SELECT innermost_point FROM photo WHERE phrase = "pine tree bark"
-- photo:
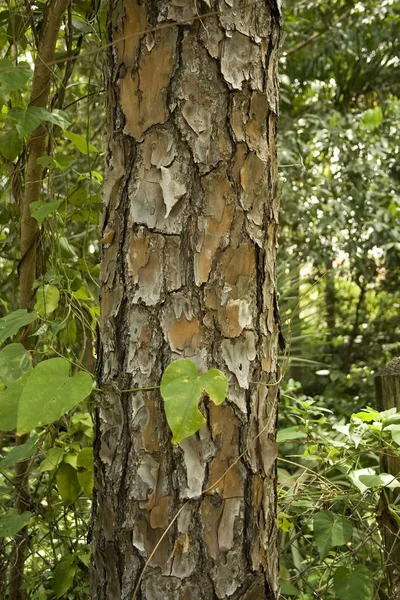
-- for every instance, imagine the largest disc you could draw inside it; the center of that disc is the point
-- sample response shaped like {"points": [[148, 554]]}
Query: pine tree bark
{"points": [[190, 238]]}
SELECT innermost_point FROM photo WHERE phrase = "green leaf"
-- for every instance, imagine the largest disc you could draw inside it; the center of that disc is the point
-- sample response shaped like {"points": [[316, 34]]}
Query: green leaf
{"points": [[58, 117], [9, 399], [85, 464], [331, 530], [14, 362], [366, 416], [372, 118], [42, 396], [67, 484], [353, 585], [49, 393], [381, 480], [26, 120], [288, 589], [53, 458], [19, 453], [80, 142], [64, 574], [395, 431], [11, 323], [13, 77], [290, 433], [47, 298], [181, 388], [12, 522], [10, 145], [40, 210]]}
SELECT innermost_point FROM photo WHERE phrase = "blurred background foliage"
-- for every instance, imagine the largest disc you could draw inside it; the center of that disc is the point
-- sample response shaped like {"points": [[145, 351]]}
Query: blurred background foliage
{"points": [[339, 266]]}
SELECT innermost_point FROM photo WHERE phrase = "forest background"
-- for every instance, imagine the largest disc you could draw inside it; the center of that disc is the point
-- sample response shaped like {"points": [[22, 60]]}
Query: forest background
{"points": [[339, 266]]}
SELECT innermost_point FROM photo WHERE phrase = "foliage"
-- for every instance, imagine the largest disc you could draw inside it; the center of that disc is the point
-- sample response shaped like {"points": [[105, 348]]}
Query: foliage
{"points": [[330, 486]]}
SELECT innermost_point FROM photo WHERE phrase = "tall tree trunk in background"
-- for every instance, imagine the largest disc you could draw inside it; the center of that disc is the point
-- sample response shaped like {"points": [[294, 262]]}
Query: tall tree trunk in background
{"points": [[35, 148], [330, 300], [190, 237]]}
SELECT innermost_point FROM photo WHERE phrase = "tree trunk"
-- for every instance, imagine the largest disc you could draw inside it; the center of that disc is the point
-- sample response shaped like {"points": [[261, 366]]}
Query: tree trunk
{"points": [[36, 147], [387, 390], [190, 238]]}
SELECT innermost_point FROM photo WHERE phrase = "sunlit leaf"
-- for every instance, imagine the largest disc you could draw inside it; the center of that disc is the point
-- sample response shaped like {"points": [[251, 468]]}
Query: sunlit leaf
{"points": [[181, 389], [14, 362], [47, 299]]}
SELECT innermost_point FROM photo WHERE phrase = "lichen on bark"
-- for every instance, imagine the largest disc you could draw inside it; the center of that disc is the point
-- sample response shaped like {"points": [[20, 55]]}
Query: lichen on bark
{"points": [[191, 199]]}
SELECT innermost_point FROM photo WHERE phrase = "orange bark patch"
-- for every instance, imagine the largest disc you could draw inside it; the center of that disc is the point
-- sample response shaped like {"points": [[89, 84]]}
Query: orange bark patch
{"points": [[144, 94], [228, 319], [134, 22], [240, 262], [159, 516], [224, 429], [184, 334], [138, 256], [206, 255]]}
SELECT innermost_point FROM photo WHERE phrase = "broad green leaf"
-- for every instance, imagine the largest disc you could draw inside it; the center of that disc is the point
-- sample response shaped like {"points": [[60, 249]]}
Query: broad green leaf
{"points": [[26, 120], [290, 433], [67, 484], [47, 298], [9, 400], [71, 459], [40, 210], [61, 162], [11, 522], [380, 480], [80, 142], [14, 362], [366, 416], [49, 393], [85, 470], [395, 431], [64, 574], [12, 323], [10, 145], [181, 388], [331, 530], [58, 117], [13, 77], [355, 477], [82, 422], [19, 453], [288, 589], [353, 585], [53, 458]]}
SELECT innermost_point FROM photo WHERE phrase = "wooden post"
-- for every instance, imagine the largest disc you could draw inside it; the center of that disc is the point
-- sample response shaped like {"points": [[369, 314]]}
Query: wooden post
{"points": [[387, 390]]}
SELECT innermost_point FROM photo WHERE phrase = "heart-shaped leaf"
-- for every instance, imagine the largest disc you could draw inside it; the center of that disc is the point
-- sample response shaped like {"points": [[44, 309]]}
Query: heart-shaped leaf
{"points": [[181, 388], [42, 396], [331, 530]]}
